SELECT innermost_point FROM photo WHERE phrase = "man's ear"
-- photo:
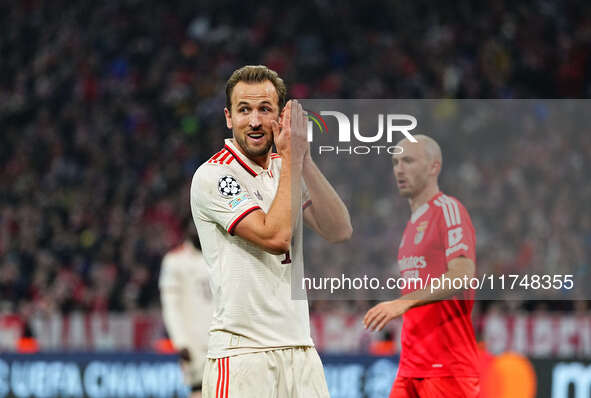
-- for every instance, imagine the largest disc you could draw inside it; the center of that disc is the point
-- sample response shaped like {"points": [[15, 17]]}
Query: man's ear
{"points": [[228, 118], [436, 168]]}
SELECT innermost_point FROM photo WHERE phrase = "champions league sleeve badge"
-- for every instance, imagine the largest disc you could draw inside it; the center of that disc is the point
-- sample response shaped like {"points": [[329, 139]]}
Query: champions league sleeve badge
{"points": [[228, 186]]}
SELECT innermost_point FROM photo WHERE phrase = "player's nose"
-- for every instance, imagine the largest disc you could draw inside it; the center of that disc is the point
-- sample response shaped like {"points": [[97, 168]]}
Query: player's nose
{"points": [[255, 119]]}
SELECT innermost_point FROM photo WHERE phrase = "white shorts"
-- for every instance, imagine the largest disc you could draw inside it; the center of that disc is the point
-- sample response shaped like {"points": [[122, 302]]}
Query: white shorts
{"points": [[284, 373]]}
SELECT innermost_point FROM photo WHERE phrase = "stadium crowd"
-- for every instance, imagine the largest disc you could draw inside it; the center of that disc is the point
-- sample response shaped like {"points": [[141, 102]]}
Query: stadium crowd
{"points": [[107, 108]]}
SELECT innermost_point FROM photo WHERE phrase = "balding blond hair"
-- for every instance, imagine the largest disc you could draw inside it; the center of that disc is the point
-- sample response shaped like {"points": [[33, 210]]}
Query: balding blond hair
{"points": [[431, 147]]}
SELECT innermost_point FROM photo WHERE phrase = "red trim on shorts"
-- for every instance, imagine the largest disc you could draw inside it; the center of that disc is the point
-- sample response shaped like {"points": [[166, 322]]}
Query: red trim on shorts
{"points": [[251, 171], [223, 377], [227, 376], [217, 389], [240, 217]]}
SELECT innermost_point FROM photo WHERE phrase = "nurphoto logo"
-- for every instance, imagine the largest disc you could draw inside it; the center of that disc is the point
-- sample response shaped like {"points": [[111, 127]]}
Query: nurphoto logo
{"points": [[346, 141]]}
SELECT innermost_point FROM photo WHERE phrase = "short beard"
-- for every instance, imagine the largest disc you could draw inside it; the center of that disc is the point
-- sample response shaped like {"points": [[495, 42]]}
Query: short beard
{"points": [[405, 194], [254, 153]]}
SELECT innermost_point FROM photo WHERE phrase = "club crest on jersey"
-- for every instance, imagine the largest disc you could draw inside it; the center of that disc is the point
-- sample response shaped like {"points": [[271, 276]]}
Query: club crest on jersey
{"points": [[420, 232], [228, 186]]}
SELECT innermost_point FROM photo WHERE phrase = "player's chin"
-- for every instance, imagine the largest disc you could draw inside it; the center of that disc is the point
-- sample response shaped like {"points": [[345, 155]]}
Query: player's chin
{"points": [[405, 192], [259, 149]]}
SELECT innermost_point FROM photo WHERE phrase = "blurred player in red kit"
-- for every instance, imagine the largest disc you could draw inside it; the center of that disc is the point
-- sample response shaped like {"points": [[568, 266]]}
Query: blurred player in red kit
{"points": [[439, 355]]}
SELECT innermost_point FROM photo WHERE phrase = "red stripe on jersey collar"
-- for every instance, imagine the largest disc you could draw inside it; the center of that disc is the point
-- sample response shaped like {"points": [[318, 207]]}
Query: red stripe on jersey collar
{"points": [[242, 163]]}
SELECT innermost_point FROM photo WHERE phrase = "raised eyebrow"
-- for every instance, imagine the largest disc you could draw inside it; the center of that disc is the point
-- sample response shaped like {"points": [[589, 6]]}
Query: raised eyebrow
{"points": [[244, 103]]}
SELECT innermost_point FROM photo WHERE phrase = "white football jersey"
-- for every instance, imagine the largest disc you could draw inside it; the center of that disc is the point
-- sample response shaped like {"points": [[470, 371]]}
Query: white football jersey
{"points": [[186, 298], [254, 310]]}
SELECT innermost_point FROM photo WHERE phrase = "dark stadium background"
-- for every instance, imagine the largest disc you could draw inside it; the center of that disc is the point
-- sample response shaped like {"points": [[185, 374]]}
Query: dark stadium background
{"points": [[107, 108]]}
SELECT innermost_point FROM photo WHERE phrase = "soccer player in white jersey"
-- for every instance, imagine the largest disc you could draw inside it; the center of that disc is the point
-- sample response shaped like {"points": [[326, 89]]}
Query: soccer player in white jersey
{"points": [[248, 204], [187, 306]]}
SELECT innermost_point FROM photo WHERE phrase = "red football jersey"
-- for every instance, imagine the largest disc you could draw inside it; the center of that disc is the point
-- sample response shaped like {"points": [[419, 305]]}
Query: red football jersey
{"points": [[438, 339]]}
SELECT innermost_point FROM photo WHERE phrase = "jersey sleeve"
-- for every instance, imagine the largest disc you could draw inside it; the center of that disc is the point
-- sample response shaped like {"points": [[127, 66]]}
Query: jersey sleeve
{"points": [[218, 196], [456, 229]]}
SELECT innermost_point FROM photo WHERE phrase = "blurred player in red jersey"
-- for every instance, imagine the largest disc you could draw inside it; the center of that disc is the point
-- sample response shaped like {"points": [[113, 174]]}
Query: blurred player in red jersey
{"points": [[439, 355]]}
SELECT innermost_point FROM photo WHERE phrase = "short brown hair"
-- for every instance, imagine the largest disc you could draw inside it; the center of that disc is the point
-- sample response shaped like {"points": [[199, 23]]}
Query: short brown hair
{"points": [[255, 74]]}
